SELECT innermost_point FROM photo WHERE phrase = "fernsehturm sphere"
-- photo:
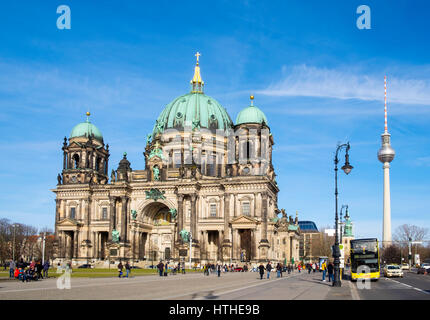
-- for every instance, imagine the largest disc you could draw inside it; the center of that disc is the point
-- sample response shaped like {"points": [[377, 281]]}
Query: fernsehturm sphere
{"points": [[386, 155]]}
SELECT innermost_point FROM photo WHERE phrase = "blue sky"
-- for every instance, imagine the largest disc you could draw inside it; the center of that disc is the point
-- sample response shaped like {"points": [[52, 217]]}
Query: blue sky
{"points": [[317, 77]]}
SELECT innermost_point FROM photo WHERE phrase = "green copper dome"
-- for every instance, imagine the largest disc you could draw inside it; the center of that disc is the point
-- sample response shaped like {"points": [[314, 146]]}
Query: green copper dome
{"points": [[86, 129], [251, 115], [195, 110]]}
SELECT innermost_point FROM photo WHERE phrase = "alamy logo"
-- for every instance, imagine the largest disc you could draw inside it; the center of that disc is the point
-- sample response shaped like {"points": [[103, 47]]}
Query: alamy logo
{"points": [[363, 21], [363, 283], [64, 21], [63, 281]]}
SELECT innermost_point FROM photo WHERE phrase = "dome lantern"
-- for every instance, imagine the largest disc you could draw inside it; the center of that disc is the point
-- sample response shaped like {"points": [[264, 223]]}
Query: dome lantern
{"points": [[251, 114]]}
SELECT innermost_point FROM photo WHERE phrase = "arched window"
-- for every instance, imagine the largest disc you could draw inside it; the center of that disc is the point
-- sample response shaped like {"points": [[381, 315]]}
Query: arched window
{"points": [[75, 161], [98, 163]]}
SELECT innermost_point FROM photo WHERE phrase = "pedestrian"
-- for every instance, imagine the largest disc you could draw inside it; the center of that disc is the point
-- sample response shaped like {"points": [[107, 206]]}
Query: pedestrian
{"points": [[324, 270], [39, 268], [278, 270], [309, 268], [127, 269], [261, 267], [45, 269], [166, 268], [314, 267], [299, 268], [183, 267], [120, 269], [268, 268], [289, 268], [218, 269], [330, 272], [160, 267], [12, 267]]}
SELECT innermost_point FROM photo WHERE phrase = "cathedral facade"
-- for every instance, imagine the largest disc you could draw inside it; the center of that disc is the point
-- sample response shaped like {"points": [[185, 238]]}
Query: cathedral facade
{"points": [[208, 184]]}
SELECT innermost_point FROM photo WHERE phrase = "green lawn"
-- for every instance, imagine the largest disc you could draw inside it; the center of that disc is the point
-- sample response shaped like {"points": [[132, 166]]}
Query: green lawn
{"points": [[98, 273]]}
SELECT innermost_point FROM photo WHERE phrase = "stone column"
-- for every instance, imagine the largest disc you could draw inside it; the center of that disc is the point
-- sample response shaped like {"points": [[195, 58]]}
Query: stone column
{"points": [[194, 218], [57, 215], [124, 219], [94, 244], [76, 243], [226, 218], [88, 214], [180, 214], [264, 217], [112, 214], [134, 245], [206, 240], [264, 243]]}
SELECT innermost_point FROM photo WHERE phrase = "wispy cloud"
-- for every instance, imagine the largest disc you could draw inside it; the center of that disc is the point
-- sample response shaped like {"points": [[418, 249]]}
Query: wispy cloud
{"points": [[310, 81]]}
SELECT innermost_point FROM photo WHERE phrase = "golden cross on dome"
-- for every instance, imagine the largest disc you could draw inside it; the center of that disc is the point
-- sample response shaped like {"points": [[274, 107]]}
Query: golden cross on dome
{"points": [[197, 55], [157, 145]]}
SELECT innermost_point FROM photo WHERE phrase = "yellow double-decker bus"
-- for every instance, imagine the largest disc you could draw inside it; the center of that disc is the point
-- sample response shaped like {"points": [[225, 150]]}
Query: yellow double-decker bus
{"points": [[365, 259]]}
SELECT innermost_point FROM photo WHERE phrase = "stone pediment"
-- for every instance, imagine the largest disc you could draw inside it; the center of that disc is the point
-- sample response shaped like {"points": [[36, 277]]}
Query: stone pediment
{"points": [[241, 220], [68, 223]]}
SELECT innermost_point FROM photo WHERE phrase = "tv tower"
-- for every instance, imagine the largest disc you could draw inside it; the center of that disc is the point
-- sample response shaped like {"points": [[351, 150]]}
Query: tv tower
{"points": [[386, 155]]}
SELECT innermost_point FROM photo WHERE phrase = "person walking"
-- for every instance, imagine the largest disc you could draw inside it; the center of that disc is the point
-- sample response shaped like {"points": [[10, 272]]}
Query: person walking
{"points": [[127, 269], [314, 267], [120, 267], [268, 268], [330, 270], [183, 267], [160, 267], [12, 267], [45, 269], [278, 270], [324, 270], [218, 269], [289, 268], [261, 268], [39, 268], [309, 268]]}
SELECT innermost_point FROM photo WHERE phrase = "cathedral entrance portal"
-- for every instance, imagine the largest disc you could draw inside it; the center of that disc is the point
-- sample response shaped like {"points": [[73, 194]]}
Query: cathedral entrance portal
{"points": [[245, 245], [161, 237]]}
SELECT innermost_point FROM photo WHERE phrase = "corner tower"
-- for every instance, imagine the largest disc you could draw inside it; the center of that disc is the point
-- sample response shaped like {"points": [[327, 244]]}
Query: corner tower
{"points": [[386, 155], [85, 158]]}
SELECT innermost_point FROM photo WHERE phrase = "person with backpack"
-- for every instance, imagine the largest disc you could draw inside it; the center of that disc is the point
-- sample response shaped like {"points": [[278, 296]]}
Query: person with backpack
{"points": [[120, 266]]}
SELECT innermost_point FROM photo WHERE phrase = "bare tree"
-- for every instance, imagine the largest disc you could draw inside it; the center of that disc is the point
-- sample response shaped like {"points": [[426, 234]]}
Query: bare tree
{"points": [[321, 246], [391, 254], [406, 231]]}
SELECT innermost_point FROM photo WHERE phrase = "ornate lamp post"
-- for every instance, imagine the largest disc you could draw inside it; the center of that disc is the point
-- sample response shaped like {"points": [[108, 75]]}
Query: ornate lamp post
{"points": [[341, 222], [336, 252]]}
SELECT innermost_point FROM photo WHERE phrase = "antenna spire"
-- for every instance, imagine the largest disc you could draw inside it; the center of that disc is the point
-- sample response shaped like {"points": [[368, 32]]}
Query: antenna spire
{"points": [[385, 103]]}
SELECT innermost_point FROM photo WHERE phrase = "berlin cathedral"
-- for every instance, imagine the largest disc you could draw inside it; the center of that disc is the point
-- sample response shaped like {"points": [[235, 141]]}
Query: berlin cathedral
{"points": [[208, 185]]}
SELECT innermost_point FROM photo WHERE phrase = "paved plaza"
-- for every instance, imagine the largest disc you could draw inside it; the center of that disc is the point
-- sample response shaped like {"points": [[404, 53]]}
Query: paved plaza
{"points": [[230, 286]]}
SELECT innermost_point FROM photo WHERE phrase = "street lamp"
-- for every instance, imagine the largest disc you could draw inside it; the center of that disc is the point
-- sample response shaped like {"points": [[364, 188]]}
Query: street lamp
{"points": [[336, 252], [341, 222]]}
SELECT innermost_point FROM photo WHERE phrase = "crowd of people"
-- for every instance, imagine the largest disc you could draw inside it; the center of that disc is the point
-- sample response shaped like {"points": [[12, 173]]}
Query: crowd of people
{"points": [[25, 272]]}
